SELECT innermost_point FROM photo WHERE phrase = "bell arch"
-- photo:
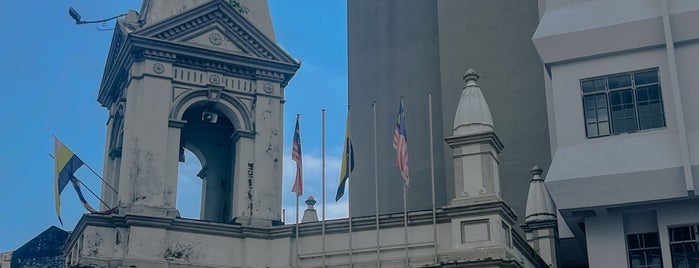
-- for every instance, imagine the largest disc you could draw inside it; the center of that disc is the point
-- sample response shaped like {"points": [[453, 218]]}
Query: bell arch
{"points": [[219, 142], [229, 105]]}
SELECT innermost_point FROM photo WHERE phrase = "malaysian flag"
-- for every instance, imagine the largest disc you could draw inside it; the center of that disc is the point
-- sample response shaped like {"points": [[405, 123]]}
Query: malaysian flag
{"points": [[400, 143], [296, 156]]}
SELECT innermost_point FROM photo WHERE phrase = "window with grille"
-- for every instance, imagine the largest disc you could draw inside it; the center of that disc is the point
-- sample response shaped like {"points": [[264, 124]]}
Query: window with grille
{"points": [[622, 103], [644, 250], [684, 244]]}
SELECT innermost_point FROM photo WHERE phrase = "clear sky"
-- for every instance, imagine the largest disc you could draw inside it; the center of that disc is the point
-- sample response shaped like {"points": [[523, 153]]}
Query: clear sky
{"points": [[51, 71]]}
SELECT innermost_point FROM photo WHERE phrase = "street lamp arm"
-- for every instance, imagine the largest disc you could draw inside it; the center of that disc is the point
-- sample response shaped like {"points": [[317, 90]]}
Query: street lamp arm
{"points": [[76, 16]]}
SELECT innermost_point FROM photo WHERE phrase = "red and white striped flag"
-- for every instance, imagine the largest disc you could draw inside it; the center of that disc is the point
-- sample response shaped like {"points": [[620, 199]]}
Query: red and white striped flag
{"points": [[296, 156], [400, 143]]}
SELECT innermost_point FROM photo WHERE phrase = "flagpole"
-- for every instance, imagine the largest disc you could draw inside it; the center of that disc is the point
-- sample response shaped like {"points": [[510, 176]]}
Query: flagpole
{"points": [[434, 209], [93, 171], [296, 260], [349, 194], [405, 212], [323, 181], [376, 191], [88, 188]]}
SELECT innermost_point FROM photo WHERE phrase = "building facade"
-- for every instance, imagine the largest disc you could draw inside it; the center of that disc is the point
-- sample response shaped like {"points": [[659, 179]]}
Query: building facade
{"points": [[622, 103], [409, 48], [199, 75]]}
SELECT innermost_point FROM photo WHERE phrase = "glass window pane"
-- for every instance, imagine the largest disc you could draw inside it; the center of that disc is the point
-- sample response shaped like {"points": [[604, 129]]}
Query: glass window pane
{"points": [[603, 128], [657, 121], [678, 257], [602, 115], [692, 255], [680, 233], [613, 82], [654, 92], [615, 98], [642, 94], [599, 84], [652, 76], [639, 78], [590, 116], [592, 130], [625, 80], [633, 241], [638, 259], [588, 101], [651, 240], [601, 100], [588, 86], [653, 257]]}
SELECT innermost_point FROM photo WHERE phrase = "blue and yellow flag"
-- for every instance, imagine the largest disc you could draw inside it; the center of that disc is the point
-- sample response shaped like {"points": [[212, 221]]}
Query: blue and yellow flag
{"points": [[66, 164], [347, 161]]}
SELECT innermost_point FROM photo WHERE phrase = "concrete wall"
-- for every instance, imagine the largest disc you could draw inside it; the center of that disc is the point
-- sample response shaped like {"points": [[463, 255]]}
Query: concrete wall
{"points": [[494, 38], [630, 167], [412, 48], [109, 241], [606, 233], [640, 170], [606, 241], [393, 49]]}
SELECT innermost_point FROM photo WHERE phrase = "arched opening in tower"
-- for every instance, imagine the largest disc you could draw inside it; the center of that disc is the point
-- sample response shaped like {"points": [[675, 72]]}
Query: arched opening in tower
{"points": [[207, 135], [189, 189]]}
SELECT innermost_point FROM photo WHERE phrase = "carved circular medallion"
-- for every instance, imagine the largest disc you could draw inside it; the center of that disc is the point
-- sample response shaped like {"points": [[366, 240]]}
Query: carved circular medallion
{"points": [[215, 39], [268, 88], [158, 68], [214, 79]]}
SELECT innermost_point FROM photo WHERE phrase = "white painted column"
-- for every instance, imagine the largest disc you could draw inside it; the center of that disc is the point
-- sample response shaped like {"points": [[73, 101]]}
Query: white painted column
{"points": [[145, 147]]}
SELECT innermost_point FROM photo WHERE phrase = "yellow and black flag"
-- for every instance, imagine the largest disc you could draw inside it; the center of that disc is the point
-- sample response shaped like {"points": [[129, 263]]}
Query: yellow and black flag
{"points": [[347, 161], [66, 165]]}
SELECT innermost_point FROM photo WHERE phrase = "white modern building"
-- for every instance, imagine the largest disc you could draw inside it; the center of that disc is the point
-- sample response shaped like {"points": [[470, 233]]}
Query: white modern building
{"points": [[623, 100]]}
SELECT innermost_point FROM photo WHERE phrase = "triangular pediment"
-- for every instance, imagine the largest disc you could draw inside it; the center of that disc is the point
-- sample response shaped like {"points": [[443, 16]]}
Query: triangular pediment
{"points": [[216, 25], [214, 38]]}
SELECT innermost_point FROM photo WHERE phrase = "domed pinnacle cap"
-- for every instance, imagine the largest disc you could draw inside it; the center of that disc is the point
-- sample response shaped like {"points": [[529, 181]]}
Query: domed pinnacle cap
{"points": [[472, 114], [536, 172], [471, 75], [310, 201], [540, 206]]}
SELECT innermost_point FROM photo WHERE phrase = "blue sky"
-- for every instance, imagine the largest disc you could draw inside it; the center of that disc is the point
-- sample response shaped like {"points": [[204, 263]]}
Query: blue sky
{"points": [[51, 70]]}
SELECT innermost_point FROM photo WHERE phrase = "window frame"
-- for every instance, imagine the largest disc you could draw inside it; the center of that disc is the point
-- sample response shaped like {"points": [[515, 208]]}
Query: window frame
{"points": [[643, 249], [606, 92], [694, 232]]}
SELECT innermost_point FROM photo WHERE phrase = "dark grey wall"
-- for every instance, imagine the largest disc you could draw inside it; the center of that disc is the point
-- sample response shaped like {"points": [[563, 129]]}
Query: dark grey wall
{"points": [[393, 51], [494, 38], [409, 48]]}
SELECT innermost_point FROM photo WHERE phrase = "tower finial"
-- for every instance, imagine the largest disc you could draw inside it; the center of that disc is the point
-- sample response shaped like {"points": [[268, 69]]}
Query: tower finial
{"points": [[471, 75], [536, 171]]}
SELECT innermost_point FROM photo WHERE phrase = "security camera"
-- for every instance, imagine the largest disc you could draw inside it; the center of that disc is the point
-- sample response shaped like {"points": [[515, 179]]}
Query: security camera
{"points": [[209, 117]]}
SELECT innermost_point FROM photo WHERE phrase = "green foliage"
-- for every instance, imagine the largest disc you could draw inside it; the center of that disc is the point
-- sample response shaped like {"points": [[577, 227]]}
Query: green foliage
{"points": [[240, 8]]}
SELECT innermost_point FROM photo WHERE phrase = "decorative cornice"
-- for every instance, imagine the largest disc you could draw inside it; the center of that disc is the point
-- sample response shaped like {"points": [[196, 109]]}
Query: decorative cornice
{"points": [[484, 137], [137, 49]]}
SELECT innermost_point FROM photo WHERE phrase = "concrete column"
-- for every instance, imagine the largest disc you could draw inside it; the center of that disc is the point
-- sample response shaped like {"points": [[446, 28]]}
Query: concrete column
{"points": [[145, 147], [267, 181], [173, 155], [243, 176]]}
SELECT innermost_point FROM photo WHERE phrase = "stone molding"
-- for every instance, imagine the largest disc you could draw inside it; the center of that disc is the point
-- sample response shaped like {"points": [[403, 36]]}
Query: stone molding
{"points": [[269, 62], [485, 137]]}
